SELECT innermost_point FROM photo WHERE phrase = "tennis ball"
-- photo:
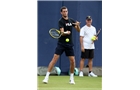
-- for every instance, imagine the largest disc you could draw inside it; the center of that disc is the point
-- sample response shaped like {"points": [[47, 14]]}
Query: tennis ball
{"points": [[67, 40], [93, 38]]}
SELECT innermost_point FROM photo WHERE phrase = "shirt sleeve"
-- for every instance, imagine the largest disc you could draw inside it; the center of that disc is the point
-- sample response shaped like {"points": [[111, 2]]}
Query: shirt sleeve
{"points": [[60, 24], [72, 22], [82, 32]]}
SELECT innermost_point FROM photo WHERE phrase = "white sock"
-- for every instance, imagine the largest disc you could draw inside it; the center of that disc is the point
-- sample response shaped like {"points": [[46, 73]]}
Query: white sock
{"points": [[47, 75], [71, 76]]}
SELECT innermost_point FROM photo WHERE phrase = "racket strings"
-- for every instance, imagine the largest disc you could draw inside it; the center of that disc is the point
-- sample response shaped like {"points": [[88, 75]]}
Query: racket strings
{"points": [[54, 33]]}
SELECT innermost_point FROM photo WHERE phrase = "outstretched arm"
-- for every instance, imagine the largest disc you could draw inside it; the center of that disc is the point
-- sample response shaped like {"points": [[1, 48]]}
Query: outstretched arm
{"points": [[77, 26]]}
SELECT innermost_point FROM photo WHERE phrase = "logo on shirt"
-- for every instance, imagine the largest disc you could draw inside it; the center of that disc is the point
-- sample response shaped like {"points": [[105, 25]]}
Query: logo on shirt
{"points": [[68, 24]]}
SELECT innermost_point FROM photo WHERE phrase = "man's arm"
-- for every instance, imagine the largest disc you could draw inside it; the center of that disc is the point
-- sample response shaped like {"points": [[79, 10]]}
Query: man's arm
{"points": [[77, 26], [81, 40], [64, 33], [81, 43]]}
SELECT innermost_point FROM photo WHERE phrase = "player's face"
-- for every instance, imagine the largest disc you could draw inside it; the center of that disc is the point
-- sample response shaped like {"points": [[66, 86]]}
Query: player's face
{"points": [[89, 22], [64, 12]]}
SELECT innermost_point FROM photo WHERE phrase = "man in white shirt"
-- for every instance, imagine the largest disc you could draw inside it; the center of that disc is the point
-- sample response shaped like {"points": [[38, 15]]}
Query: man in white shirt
{"points": [[87, 45]]}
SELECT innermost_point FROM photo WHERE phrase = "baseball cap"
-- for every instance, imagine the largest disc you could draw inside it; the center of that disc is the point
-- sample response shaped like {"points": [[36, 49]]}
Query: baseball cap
{"points": [[88, 18]]}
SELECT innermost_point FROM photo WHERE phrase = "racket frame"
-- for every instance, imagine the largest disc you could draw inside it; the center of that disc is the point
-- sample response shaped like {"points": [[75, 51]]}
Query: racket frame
{"points": [[60, 33]]}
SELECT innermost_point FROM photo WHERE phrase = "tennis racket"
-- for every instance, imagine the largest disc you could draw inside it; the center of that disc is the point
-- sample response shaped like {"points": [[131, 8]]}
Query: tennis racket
{"points": [[98, 33], [96, 36], [55, 33]]}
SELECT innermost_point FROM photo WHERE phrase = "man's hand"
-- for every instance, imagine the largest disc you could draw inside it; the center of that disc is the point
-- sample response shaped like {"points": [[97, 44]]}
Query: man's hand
{"points": [[96, 38], [68, 32], [77, 23], [82, 49]]}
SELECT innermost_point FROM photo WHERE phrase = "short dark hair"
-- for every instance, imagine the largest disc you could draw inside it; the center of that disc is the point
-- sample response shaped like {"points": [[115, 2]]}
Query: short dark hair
{"points": [[64, 7]]}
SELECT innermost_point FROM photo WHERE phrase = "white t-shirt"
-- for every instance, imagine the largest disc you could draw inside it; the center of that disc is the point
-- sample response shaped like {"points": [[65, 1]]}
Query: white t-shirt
{"points": [[88, 33]]}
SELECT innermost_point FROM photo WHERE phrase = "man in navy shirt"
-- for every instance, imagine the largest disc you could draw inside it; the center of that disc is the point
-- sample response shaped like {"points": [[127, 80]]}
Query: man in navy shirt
{"points": [[65, 25]]}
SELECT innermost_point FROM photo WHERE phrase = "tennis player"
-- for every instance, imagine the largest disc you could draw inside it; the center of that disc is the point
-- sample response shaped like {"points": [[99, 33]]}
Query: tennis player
{"points": [[65, 25], [87, 50]]}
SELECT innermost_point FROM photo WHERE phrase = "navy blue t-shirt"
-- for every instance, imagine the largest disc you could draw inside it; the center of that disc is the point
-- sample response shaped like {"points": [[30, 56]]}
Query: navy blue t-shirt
{"points": [[67, 25]]}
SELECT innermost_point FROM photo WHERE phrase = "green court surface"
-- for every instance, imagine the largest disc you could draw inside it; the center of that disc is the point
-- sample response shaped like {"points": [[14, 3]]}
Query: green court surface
{"points": [[62, 83]]}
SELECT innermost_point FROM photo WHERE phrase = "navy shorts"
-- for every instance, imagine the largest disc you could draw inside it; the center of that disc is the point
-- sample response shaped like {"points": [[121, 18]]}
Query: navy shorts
{"points": [[68, 48], [88, 54]]}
